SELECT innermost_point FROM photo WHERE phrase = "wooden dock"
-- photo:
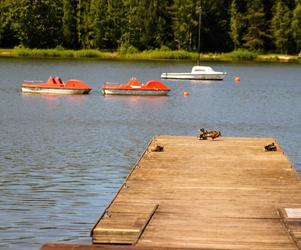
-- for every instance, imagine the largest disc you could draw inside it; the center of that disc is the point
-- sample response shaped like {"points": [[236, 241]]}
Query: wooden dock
{"points": [[227, 193]]}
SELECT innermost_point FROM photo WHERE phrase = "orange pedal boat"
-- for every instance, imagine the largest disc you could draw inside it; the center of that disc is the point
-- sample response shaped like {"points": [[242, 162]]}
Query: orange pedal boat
{"points": [[55, 85], [134, 87]]}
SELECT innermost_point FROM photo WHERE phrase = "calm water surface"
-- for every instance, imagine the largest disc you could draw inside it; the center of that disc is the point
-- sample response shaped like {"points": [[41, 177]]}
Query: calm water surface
{"points": [[62, 158]]}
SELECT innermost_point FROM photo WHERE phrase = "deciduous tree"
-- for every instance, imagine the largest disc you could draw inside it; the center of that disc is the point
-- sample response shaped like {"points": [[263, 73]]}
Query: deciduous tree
{"points": [[8, 37]]}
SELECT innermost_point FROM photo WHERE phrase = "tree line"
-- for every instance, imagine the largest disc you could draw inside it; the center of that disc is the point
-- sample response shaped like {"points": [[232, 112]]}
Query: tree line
{"points": [[226, 25]]}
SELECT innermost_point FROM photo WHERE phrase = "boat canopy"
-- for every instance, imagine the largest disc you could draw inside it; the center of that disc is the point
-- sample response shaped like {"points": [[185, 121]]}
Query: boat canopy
{"points": [[201, 69], [153, 84], [134, 84]]}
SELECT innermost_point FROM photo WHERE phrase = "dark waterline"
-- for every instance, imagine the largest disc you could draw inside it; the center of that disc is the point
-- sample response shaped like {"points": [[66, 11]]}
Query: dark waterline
{"points": [[62, 158]]}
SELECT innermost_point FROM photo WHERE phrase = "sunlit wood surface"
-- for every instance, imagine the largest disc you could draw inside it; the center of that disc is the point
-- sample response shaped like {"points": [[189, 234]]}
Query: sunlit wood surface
{"points": [[227, 193]]}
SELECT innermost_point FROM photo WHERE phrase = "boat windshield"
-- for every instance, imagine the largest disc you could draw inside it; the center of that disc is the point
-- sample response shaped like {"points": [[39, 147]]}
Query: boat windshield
{"points": [[58, 80], [201, 69]]}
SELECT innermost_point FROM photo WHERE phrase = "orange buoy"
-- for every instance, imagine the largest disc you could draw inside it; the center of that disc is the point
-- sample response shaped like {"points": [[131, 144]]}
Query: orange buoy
{"points": [[237, 79], [186, 93]]}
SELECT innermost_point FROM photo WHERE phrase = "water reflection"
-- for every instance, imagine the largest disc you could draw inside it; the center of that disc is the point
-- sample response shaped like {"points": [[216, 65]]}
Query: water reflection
{"points": [[62, 158], [136, 101], [77, 99], [193, 81], [204, 82]]}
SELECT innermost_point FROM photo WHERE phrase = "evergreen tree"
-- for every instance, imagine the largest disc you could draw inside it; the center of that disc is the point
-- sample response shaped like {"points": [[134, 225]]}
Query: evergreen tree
{"points": [[149, 24], [154, 23], [185, 20], [296, 27], [70, 31], [98, 14], [254, 39], [38, 23], [235, 24], [215, 35], [281, 26], [132, 31], [164, 34], [107, 22], [83, 23], [117, 23]]}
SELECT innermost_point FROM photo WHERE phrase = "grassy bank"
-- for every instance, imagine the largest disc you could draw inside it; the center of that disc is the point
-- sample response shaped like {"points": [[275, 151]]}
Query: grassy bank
{"points": [[235, 56], [55, 53]]}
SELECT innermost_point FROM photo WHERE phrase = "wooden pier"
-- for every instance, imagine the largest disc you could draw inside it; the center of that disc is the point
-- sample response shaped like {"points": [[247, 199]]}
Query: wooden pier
{"points": [[227, 193]]}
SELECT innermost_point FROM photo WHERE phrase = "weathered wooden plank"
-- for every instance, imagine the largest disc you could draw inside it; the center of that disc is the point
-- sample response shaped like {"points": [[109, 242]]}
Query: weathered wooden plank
{"points": [[291, 218], [183, 244], [221, 194], [124, 227], [61, 246]]}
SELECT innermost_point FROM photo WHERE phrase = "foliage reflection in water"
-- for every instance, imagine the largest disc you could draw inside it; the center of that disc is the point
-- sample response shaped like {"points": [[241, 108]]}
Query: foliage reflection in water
{"points": [[62, 158]]}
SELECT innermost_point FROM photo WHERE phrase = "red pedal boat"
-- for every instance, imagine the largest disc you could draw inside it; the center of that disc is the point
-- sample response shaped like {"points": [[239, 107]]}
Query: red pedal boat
{"points": [[55, 85], [134, 87]]}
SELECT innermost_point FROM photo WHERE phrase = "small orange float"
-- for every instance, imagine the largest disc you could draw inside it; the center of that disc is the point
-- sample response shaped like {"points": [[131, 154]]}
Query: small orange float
{"points": [[237, 79], [186, 93]]}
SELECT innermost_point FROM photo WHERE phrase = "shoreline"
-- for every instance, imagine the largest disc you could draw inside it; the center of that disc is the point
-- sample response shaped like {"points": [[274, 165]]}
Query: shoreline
{"points": [[153, 55]]}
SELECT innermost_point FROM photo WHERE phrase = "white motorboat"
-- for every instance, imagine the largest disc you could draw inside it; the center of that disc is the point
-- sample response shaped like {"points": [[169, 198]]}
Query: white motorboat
{"points": [[197, 73]]}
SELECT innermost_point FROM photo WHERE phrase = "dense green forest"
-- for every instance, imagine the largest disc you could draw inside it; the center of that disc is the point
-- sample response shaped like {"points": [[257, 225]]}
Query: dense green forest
{"points": [[226, 25]]}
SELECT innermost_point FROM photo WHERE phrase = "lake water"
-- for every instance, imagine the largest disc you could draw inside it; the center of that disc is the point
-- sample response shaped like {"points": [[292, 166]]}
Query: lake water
{"points": [[62, 158]]}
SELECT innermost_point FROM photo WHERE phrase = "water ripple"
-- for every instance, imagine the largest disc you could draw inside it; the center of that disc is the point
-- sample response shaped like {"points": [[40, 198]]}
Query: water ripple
{"points": [[62, 158]]}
